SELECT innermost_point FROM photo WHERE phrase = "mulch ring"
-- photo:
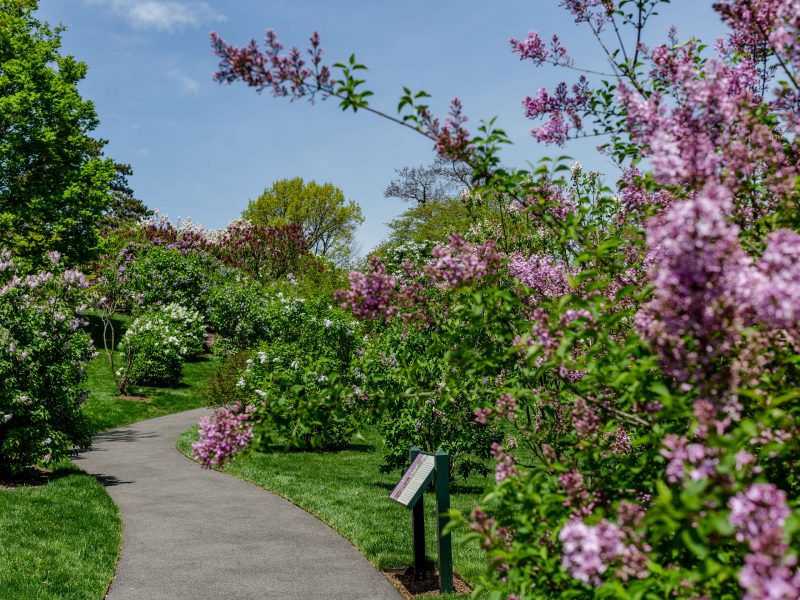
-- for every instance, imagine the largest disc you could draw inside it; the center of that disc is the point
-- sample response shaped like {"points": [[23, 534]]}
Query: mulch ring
{"points": [[403, 580], [31, 477], [143, 399]]}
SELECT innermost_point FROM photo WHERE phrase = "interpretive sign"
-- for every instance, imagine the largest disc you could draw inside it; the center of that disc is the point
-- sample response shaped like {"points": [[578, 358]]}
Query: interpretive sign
{"points": [[414, 481], [410, 492]]}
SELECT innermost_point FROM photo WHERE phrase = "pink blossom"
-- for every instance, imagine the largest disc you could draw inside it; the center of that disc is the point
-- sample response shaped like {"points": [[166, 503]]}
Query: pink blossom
{"points": [[545, 276], [561, 110], [692, 460], [589, 550], [460, 262], [694, 317], [224, 434], [775, 287], [759, 514], [371, 295], [584, 420], [764, 578], [533, 48], [505, 467]]}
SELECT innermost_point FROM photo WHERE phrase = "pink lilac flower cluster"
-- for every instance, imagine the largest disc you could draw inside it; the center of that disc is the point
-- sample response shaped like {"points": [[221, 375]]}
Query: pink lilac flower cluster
{"points": [[693, 319], [504, 408], [774, 290], [594, 12], [224, 434], [379, 295], [451, 138], [707, 289], [685, 140], [589, 550], [702, 127], [534, 49], [585, 420], [544, 275], [285, 74], [371, 295], [580, 501], [460, 262], [685, 459], [757, 24], [505, 466], [634, 198], [759, 515], [561, 108]]}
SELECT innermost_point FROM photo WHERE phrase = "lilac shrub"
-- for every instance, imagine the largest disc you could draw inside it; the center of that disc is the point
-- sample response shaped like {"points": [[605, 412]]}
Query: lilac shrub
{"points": [[634, 352], [43, 356]]}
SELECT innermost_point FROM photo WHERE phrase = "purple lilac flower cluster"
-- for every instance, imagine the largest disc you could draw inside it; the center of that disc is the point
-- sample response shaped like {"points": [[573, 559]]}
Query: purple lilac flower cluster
{"points": [[534, 49], [561, 108], [371, 295], [590, 550], [759, 515], [223, 435], [459, 262], [544, 275]]}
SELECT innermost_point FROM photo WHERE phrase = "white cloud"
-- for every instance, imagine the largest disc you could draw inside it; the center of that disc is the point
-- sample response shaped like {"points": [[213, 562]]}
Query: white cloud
{"points": [[162, 14], [187, 83]]}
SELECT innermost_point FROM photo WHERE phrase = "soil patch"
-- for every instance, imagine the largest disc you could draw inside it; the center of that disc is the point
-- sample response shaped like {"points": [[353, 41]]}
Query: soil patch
{"points": [[403, 580], [31, 477], [143, 399]]}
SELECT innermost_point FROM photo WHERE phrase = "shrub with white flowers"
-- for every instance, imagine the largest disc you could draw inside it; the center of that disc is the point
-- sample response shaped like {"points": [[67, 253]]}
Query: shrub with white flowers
{"points": [[189, 324], [159, 342]]}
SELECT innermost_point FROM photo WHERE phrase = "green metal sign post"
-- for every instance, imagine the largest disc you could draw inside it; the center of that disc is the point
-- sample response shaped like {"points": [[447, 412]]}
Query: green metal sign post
{"points": [[418, 528], [445, 546], [425, 468]]}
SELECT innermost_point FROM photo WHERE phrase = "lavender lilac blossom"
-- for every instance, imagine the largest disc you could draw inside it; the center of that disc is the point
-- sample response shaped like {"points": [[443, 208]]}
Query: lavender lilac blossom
{"points": [[224, 434]]}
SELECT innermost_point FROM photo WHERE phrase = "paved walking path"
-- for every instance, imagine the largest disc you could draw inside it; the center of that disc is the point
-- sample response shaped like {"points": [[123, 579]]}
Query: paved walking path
{"points": [[193, 533]]}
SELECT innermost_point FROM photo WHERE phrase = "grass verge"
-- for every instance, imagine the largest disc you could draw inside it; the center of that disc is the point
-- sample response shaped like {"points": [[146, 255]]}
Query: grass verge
{"points": [[346, 490], [59, 540], [107, 410]]}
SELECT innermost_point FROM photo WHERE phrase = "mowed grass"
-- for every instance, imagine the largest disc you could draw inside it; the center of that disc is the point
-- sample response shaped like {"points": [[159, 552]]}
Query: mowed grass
{"points": [[347, 490], [107, 410], [59, 540]]}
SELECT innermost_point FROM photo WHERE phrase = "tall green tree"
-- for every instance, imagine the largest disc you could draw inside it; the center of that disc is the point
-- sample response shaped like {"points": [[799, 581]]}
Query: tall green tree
{"points": [[124, 208], [328, 219], [430, 221], [55, 183]]}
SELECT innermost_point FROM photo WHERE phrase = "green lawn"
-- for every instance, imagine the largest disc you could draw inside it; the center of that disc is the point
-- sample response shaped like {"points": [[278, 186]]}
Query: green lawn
{"points": [[107, 410], [346, 490], [59, 540]]}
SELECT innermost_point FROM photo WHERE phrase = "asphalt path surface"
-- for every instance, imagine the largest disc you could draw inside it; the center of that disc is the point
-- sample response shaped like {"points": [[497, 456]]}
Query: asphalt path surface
{"points": [[195, 533]]}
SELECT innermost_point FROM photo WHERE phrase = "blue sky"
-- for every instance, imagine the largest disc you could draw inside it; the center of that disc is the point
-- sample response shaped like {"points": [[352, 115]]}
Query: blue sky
{"points": [[202, 150]]}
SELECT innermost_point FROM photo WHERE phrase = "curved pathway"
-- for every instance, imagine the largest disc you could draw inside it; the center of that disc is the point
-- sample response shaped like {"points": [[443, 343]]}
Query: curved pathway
{"points": [[193, 533]]}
